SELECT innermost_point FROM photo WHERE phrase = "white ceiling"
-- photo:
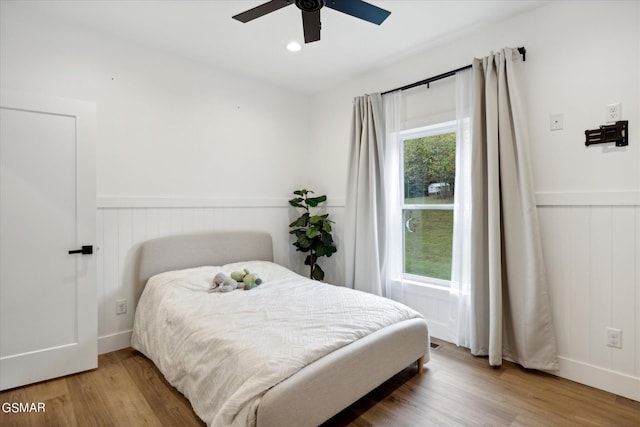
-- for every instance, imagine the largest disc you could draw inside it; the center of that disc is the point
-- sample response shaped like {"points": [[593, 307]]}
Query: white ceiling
{"points": [[204, 31]]}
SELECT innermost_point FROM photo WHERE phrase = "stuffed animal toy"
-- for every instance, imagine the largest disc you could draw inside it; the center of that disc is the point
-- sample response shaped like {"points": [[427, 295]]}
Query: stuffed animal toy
{"points": [[223, 283], [246, 280], [238, 280]]}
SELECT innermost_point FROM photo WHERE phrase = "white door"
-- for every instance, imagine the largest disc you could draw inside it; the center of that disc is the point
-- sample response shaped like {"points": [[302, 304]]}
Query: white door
{"points": [[48, 307]]}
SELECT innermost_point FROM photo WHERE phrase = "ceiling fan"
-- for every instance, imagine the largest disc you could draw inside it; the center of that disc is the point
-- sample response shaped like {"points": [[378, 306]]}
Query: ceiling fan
{"points": [[311, 13]]}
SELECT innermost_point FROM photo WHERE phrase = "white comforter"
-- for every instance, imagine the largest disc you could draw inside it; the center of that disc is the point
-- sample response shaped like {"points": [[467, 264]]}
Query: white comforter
{"points": [[223, 351]]}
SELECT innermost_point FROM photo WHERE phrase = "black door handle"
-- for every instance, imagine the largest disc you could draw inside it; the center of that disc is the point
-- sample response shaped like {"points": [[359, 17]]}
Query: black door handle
{"points": [[86, 250]]}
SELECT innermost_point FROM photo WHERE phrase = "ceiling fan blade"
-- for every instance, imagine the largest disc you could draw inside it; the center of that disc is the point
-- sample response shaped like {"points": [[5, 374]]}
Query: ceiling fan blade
{"points": [[311, 25], [359, 9], [261, 10]]}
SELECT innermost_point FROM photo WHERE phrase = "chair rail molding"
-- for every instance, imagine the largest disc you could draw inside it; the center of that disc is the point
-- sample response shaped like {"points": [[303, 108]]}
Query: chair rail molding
{"points": [[115, 202], [589, 198]]}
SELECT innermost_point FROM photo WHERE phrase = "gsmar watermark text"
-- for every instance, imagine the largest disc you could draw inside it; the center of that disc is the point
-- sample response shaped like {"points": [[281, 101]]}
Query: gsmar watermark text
{"points": [[16, 407]]}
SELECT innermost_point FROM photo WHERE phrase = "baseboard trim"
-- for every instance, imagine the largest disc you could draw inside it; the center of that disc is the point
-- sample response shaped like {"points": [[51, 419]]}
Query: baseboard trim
{"points": [[114, 342], [600, 378]]}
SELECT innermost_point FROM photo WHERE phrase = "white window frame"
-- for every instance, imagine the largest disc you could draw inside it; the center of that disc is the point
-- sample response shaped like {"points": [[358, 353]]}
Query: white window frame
{"points": [[409, 134]]}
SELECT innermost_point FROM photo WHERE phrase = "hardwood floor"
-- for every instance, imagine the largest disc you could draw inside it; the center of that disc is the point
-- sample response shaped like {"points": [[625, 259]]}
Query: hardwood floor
{"points": [[456, 389]]}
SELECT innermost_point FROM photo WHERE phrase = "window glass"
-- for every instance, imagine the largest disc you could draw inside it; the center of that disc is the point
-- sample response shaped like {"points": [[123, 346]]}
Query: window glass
{"points": [[430, 169], [427, 242], [428, 179]]}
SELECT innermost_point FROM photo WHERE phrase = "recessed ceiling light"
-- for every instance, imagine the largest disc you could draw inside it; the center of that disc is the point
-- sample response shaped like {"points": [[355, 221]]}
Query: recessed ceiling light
{"points": [[294, 46]]}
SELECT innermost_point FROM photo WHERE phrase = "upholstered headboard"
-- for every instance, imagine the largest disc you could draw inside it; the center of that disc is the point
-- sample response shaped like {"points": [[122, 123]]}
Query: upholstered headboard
{"points": [[200, 249]]}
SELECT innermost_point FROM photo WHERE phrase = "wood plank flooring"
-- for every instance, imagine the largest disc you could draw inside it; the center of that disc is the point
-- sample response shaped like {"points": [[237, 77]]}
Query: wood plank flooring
{"points": [[456, 389]]}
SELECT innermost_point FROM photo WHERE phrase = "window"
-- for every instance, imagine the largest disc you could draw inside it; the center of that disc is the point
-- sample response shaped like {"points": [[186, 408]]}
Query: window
{"points": [[428, 158]]}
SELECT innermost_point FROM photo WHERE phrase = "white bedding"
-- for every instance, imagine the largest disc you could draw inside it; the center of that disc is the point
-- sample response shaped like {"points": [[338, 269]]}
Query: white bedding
{"points": [[223, 351]]}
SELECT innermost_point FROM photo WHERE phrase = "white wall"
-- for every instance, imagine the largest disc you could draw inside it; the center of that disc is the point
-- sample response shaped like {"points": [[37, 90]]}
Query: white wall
{"points": [[180, 146], [565, 72], [166, 126], [577, 62]]}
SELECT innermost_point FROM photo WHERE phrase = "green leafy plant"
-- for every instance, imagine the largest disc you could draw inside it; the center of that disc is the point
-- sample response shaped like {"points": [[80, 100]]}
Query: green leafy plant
{"points": [[313, 232]]}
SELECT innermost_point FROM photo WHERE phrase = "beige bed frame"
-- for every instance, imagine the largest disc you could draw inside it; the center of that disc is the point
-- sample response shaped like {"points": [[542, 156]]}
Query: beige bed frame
{"points": [[326, 386]]}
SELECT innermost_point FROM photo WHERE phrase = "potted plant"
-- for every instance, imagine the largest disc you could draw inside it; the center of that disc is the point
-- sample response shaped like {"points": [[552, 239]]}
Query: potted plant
{"points": [[312, 232]]}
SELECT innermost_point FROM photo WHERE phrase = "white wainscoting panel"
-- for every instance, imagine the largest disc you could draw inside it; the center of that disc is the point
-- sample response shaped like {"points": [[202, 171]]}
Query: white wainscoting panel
{"points": [[430, 301], [592, 254]]}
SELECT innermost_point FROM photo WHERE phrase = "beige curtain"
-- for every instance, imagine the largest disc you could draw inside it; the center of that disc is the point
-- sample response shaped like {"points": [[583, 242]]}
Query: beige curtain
{"points": [[506, 307], [365, 204]]}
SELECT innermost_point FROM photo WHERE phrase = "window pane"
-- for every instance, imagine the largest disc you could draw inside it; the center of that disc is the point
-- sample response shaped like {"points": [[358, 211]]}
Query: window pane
{"points": [[430, 169], [427, 242]]}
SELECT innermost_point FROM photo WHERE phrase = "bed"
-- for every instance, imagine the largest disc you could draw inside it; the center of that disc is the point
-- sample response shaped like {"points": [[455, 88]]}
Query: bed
{"points": [[304, 383]]}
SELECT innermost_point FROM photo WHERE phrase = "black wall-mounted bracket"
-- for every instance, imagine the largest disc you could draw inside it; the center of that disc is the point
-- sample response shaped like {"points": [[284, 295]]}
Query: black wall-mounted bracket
{"points": [[617, 132]]}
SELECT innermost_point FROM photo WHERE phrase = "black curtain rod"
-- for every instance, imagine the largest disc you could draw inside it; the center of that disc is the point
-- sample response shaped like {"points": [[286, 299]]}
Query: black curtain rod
{"points": [[522, 51]]}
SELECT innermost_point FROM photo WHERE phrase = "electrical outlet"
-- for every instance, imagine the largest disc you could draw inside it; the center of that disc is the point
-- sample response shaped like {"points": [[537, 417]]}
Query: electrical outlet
{"points": [[613, 112], [614, 337], [121, 306]]}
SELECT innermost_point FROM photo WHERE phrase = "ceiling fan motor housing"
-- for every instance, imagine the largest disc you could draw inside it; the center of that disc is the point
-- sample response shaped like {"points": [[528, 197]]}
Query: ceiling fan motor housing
{"points": [[310, 5]]}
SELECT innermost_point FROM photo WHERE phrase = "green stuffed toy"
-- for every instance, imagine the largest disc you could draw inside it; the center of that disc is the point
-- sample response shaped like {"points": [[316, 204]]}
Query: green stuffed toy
{"points": [[246, 280]]}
